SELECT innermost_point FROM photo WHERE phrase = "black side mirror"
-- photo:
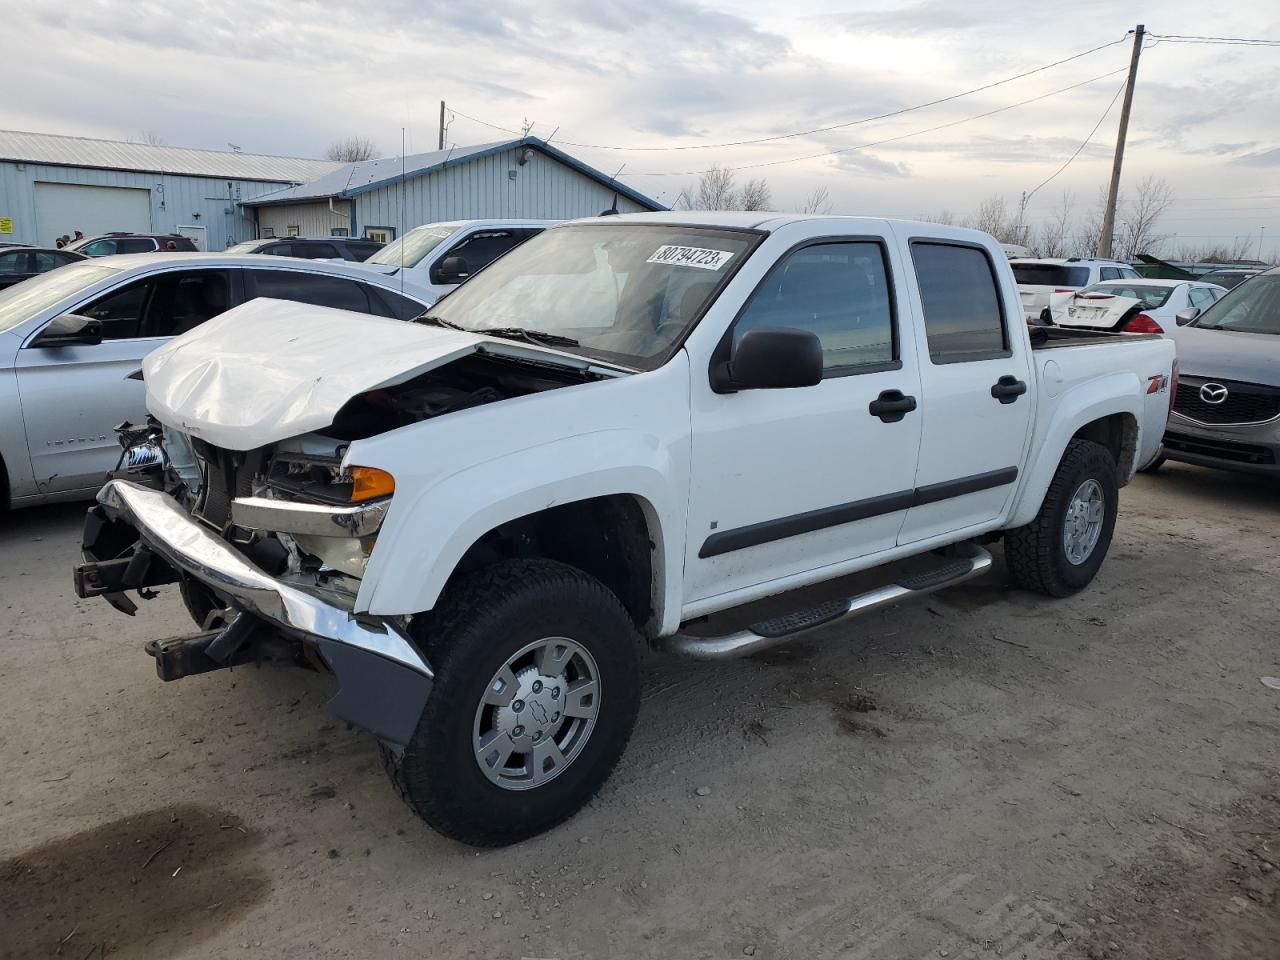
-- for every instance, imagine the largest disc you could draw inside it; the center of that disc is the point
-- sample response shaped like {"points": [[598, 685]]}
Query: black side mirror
{"points": [[1183, 317], [69, 330], [452, 270], [771, 358]]}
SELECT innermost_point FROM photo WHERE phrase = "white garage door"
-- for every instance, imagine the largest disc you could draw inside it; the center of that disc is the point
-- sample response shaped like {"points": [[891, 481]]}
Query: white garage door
{"points": [[68, 207]]}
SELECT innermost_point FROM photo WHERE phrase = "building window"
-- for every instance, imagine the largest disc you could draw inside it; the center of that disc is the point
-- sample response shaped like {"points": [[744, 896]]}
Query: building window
{"points": [[339, 232], [293, 230], [381, 234], [268, 232]]}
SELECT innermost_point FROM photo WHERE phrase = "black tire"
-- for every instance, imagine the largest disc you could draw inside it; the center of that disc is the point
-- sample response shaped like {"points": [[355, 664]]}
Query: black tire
{"points": [[200, 601], [1154, 465], [483, 621], [1035, 553]]}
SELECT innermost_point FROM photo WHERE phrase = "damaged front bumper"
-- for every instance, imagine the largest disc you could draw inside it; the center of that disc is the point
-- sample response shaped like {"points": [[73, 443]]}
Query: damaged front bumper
{"points": [[383, 681]]}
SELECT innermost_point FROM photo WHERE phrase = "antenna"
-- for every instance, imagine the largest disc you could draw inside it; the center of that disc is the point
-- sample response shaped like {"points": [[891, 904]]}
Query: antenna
{"points": [[401, 211]]}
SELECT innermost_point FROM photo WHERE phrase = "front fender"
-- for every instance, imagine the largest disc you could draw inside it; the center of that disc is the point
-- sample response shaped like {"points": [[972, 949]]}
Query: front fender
{"points": [[1059, 420], [428, 530]]}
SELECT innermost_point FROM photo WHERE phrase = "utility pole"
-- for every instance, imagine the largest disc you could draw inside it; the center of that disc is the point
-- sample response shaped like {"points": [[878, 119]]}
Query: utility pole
{"points": [[1109, 214], [441, 124]]}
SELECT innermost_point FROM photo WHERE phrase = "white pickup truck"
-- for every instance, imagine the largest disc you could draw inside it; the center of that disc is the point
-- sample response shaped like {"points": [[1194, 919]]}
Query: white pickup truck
{"points": [[439, 256], [623, 428]]}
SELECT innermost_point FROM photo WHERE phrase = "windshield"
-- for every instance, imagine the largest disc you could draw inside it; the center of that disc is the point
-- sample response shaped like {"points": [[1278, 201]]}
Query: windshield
{"points": [[249, 246], [1050, 274], [1151, 296], [409, 250], [1226, 278], [24, 300], [626, 292], [1250, 307]]}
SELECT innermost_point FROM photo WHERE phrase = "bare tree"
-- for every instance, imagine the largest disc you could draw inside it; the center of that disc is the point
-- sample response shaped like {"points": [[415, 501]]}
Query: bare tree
{"points": [[755, 195], [993, 217], [1138, 231], [945, 217], [151, 138], [351, 149], [818, 201], [1055, 234], [715, 190], [1238, 249]]}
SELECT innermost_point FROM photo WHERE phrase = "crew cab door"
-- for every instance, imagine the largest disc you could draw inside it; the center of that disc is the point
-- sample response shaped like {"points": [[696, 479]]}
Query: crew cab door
{"points": [[977, 385], [785, 481], [74, 396]]}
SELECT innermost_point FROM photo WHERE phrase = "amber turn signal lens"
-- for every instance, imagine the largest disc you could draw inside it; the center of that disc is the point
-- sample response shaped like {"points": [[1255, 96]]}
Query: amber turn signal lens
{"points": [[369, 483]]}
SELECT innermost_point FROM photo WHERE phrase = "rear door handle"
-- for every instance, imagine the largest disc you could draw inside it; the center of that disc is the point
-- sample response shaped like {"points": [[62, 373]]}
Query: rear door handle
{"points": [[1008, 389], [891, 406]]}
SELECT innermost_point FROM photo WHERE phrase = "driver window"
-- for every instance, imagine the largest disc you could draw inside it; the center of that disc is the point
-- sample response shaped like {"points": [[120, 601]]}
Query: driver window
{"points": [[839, 291], [120, 312]]}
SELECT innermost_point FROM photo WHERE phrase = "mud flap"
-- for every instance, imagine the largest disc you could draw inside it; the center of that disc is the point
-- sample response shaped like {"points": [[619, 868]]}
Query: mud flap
{"points": [[374, 693]]}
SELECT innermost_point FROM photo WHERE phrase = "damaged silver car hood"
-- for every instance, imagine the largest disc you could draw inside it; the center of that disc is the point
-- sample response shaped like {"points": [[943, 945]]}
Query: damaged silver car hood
{"points": [[273, 369]]}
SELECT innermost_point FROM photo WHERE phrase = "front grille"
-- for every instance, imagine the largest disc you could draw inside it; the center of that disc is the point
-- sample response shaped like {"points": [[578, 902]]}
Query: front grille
{"points": [[1245, 402], [227, 474], [1219, 449]]}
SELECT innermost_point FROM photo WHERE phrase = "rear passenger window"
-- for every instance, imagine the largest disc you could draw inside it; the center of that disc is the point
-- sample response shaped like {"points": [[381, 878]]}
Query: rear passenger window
{"points": [[315, 251], [402, 308], [963, 316], [1108, 273], [312, 288], [839, 291]]}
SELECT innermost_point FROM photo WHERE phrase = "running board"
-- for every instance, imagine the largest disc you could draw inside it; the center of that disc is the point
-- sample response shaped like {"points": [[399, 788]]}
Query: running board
{"points": [[969, 561]]}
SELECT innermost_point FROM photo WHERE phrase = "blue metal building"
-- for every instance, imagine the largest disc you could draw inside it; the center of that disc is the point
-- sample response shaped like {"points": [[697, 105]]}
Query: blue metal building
{"points": [[524, 178], [52, 185]]}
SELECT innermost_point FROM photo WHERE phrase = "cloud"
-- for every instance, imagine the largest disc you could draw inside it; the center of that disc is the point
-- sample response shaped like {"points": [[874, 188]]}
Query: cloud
{"points": [[1263, 158]]}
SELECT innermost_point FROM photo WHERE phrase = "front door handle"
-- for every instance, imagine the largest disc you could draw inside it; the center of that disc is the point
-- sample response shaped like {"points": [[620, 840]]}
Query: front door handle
{"points": [[891, 406], [1008, 389]]}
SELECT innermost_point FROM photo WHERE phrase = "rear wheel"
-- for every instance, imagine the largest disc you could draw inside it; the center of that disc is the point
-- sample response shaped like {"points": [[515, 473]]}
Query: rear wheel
{"points": [[535, 695], [1154, 465], [1061, 550]]}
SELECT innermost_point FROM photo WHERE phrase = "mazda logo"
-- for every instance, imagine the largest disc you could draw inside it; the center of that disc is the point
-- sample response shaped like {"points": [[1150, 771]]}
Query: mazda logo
{"points": [[1213, 393]]}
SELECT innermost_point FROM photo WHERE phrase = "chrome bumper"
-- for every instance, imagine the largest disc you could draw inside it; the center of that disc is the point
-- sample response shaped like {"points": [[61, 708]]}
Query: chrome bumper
{"points": [[189, 547], [314, 519]]}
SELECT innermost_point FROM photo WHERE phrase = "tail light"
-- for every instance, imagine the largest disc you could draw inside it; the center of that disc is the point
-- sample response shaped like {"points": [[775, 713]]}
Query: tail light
{"points": [[1065, 290], [1141, 323]]}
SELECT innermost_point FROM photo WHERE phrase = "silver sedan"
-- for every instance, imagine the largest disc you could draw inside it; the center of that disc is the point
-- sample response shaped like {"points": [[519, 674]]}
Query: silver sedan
{"points": [[70, 338]]}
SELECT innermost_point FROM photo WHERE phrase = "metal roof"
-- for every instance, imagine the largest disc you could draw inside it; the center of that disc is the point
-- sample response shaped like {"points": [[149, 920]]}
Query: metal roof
{"points": [[365, 175], [21, 147]]}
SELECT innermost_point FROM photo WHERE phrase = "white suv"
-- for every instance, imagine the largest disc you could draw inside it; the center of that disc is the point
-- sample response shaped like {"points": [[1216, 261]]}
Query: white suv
{"points": [[1039, 278]]}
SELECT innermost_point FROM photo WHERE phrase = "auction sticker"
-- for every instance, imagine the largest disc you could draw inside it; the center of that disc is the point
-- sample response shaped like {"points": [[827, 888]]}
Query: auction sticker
{"points": [[699, 257]]}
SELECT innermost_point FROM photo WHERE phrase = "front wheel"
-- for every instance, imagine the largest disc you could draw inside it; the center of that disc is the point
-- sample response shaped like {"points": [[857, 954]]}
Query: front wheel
{"points": [[537, 685], [1060, 551]]}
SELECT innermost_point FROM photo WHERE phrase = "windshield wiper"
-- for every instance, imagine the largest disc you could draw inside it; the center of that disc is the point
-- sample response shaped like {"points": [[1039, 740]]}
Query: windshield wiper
{"points": [[538, 337], [439, 322]]}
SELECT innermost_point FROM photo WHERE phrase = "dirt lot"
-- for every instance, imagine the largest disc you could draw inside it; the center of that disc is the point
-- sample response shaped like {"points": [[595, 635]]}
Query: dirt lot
{"points": [[987, 774]]}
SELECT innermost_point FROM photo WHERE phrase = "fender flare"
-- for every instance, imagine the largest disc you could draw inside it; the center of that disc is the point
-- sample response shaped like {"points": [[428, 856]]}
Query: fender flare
{"points": [[429, 531], [1116, 393]]}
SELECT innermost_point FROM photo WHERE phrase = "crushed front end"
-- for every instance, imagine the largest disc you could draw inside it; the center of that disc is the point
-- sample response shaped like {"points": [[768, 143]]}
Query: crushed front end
{"points": [[268, 547]]}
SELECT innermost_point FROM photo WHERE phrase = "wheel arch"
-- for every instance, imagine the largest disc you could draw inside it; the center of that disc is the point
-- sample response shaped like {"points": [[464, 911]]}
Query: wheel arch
{"points": [[615, 522], [1108, 411]]}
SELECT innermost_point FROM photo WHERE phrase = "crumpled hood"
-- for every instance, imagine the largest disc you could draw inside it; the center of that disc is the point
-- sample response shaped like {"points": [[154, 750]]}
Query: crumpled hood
{"points": [[1228, 354], [273, 369]]}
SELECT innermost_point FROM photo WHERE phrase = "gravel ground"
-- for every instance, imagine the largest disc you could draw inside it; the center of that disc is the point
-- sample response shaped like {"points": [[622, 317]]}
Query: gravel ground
{"points": [[984, 774]]}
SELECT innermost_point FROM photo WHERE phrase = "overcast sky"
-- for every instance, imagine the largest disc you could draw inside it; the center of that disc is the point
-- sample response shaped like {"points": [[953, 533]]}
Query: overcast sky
{"points": [[289, 78]]}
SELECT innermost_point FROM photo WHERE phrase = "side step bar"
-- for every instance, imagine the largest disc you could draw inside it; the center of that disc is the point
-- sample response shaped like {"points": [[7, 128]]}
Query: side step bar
{"points": [[969, 561]]}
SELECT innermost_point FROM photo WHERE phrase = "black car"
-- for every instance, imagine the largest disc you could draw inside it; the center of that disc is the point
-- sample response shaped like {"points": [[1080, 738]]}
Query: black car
{"points": [[311, 248], [1230, 276], [112, 243], [22, 263]]}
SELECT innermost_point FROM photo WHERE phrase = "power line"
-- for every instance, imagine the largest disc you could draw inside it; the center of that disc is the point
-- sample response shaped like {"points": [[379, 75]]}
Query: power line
{"points": [[1079, 149], [903, 136], [817, 130], [1182, 38]]}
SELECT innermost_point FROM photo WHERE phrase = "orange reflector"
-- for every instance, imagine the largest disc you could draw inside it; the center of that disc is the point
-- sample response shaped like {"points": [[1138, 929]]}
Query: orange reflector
{"points": [[369, 483]]}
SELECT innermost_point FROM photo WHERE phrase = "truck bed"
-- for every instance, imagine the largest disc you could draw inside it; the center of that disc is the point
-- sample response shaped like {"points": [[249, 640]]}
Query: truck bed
{"points": [[1049, 338]]}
